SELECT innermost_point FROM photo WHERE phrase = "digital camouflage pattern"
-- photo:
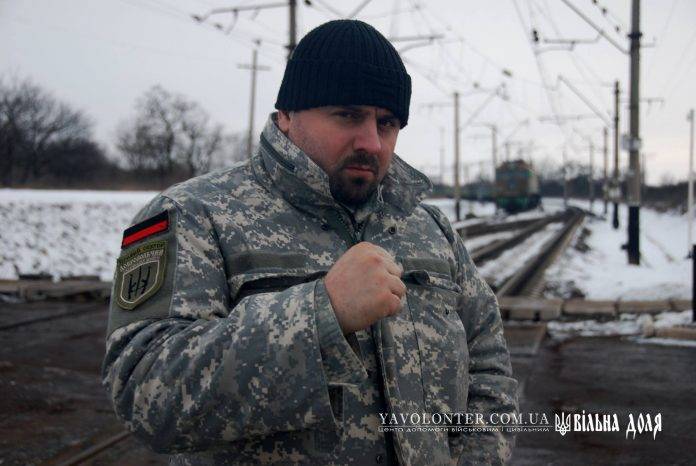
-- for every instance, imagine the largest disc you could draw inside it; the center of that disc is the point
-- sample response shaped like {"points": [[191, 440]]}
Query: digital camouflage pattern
{"points": [[239, 359]]}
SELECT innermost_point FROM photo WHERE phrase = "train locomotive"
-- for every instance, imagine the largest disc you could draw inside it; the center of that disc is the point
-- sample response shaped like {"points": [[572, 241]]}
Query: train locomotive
{"points": [[516, 187]]}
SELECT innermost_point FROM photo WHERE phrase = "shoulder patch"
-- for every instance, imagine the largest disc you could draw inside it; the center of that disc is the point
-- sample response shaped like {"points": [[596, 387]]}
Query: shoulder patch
{"points": [[153, 225], [140, 273]]}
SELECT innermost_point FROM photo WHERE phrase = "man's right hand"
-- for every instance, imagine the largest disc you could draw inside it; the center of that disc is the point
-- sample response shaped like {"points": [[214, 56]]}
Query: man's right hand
{"points": [[364, 285]]}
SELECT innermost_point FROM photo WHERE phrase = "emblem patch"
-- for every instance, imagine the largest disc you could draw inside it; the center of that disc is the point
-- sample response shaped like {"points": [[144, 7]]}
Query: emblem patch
{"points": [[140, 273], [153, 225]]}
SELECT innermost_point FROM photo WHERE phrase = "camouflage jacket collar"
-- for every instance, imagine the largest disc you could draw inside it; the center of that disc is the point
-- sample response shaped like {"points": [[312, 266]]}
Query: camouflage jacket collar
{"points": [[280, 163]]}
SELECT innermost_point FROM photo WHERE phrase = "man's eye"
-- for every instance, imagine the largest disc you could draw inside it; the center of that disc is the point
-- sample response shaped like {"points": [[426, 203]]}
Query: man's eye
{"points": [[347, 115], [388, 123]]}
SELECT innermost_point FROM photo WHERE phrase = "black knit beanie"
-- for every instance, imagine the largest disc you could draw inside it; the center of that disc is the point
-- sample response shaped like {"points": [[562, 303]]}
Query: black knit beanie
{"points": [[345, 62]]}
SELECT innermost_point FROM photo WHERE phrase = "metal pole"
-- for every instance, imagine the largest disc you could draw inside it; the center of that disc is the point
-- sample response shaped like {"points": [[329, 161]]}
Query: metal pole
{"points": [[643, 169], [633, 246], [494, 128], [292, 41], [467, 182], [591, 177], [693, 283], [250, 138], [605, 133], [456, 156], [442, 155], [615, 184], [690, 203], [565, 179]]}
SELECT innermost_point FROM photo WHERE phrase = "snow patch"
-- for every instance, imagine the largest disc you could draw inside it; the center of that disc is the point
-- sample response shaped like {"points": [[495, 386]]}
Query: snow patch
{"points": [[64, 233]]}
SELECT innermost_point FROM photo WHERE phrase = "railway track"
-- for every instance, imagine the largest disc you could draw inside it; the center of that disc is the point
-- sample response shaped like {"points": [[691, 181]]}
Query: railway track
{"points": [[76, 309], [495, 248], [528, 280], [486, 227], [55, 409]]}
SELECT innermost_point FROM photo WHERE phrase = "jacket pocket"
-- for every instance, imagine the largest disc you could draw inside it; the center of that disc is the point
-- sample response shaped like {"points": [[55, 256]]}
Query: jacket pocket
{"points": [[269, 282], [442, 344]]}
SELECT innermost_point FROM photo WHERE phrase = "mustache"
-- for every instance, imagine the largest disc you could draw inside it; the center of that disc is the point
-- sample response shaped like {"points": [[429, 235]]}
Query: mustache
{"points": [[361, 158]]}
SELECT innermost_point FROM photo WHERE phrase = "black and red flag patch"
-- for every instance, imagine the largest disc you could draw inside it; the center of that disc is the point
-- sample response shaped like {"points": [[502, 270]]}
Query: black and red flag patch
{"points": [[152, 226]]}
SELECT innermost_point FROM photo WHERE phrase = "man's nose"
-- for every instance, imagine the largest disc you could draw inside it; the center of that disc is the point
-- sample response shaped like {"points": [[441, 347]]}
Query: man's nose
{"points": [[367, 138]]}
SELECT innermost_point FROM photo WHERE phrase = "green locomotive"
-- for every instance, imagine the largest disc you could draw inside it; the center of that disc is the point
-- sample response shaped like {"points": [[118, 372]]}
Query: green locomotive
{"points": [[516, 187]]}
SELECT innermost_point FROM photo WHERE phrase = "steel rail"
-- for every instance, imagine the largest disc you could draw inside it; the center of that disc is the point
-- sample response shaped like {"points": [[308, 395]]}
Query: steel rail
{"points": [[527, 280], [495, 248], [83, 309]]}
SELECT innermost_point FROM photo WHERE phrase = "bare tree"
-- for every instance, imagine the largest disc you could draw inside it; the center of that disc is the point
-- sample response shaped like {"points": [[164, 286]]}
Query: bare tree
{"points": [[169, 131], [233, 148], [31, 120], [73, 162]]}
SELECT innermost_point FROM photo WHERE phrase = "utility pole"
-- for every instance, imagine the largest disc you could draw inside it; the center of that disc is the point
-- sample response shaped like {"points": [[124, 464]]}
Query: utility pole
{"points": [[494, 144], [292, 9], [456, 156], [292, 40], [633, 245], [565, 179], [494, 128], [252, 99], [604, 174], [494, 149], [442, 155], [690, 203], [467, 182], [643, 169], [615, 179], [471, 118], [591, 177]]}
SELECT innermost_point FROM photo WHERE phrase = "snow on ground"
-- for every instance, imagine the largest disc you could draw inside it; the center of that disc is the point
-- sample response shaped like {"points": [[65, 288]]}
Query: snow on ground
{"points": [[663, 341], [485, 211], [478, 241], [64, 233], [603, 271], [67, 233], [496, 271], [628, 325], [479, 209]]}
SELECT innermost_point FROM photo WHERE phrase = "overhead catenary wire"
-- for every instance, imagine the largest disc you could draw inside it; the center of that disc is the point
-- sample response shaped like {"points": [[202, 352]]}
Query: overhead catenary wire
{"points": [[121, 43], [675, 74], [594, 26], [662, 35], [575, 57], [542, 74], [618, 25]]}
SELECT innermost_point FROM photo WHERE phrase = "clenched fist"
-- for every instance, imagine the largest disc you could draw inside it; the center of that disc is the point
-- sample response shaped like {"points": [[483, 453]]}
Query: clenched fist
{"points": [[364, 285]]}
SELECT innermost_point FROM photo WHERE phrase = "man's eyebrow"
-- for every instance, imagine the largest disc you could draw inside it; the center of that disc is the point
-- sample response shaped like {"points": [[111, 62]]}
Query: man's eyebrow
{"points": [[359, 110], [351, 108]]}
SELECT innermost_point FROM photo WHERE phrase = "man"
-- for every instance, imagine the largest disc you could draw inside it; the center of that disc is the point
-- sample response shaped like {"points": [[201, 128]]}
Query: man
{"points": [[269, 313]]}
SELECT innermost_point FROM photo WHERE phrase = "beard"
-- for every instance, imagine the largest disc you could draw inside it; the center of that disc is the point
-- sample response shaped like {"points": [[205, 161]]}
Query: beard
{"points": [[354, 190]]}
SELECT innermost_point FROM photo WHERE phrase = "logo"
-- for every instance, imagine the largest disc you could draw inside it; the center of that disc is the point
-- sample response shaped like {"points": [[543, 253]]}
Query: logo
{"points": [[140, 274], [562, 423], [595, 422]]}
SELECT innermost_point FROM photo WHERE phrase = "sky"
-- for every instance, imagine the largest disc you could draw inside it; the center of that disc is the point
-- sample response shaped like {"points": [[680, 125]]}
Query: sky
{"points": [[101, 56]]}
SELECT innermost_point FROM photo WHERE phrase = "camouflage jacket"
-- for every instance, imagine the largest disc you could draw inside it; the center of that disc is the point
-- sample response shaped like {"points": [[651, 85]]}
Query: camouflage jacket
{"points": [[223, 347]]}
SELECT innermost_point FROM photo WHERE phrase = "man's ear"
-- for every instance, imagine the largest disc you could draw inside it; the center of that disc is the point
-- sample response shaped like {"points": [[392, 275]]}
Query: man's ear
{"points": [[284, 121]]}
